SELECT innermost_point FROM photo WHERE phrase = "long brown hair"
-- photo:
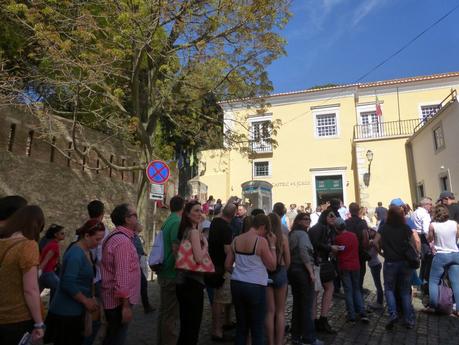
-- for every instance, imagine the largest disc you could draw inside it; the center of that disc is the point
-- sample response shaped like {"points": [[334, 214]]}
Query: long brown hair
{"points": [[395, 216], [28, 220], [276, 229]]}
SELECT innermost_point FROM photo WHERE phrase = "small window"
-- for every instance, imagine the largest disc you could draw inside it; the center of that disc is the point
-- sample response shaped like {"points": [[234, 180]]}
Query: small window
{"points": [[444, 183], [420, 189], [29, 144], [439, 140], [11, 136], [326, 125], [260, 132], [427, 111], [261, 169]]}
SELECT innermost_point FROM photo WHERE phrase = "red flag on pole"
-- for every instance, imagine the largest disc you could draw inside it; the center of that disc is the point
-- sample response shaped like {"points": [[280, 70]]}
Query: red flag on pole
{"points": [[378, 107]]}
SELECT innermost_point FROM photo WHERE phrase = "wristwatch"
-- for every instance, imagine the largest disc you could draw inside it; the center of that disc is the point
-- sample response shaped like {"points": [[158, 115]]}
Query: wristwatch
{"points": [[40, 325]]}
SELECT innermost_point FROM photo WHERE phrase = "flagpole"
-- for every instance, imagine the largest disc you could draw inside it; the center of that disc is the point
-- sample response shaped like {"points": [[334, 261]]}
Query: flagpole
{"points": [[398, 106]]}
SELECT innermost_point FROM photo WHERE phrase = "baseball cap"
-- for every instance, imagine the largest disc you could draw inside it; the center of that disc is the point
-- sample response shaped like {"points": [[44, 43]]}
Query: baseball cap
{"points": [[397, 202], [446, 195]]}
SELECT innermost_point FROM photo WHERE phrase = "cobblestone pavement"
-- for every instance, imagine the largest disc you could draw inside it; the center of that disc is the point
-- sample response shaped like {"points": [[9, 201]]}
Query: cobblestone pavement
{"points": [[429, 330]]}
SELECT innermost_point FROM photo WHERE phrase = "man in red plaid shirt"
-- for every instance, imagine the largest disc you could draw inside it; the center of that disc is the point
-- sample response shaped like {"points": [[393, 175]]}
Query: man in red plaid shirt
{"points": [[120, 271]]}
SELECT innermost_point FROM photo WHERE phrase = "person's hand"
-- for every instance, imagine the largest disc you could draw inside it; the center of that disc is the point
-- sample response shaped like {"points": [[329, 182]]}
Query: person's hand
{"points": [[37, 334], [126, 314], [271, 239], [334, 249], [91, 305], [312, 276]]}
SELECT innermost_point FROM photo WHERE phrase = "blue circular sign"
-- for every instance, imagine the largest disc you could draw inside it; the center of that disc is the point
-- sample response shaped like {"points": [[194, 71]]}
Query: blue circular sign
{"points": [[158, 172]]}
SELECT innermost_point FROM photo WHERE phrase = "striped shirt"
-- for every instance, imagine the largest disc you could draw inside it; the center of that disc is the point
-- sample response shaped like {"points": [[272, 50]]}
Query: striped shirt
{"points": [[120, 269]]}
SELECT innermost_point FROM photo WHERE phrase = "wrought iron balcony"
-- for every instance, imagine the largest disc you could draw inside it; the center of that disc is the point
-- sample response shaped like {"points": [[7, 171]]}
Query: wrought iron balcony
{"points": [[260, 146], [385, 129]]}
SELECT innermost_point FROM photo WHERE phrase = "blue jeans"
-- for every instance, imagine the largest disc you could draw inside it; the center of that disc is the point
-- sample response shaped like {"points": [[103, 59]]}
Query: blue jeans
{"points": [[376, 274], [352, 292], [397, 275], [250, 306], [49, 280], [303, 299], [440, 262]]}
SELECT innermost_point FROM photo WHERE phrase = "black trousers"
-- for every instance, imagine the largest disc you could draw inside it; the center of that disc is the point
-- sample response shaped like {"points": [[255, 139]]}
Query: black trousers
{"points": [[190, 296], [12, 333], [144, 291], [64, 330], [116, 330], [363, 271]]}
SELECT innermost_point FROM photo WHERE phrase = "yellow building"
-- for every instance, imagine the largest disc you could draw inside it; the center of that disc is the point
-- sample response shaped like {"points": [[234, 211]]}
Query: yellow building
{"points": [[331, 141]]}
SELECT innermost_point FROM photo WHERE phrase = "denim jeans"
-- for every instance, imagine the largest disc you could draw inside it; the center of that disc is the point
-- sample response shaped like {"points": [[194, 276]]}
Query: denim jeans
{"points": [[303, 298], [440, 263], [250, 306], [49, 280], [397, 275], [376, 274], [116, 330], [352, 292], [12, 333]]}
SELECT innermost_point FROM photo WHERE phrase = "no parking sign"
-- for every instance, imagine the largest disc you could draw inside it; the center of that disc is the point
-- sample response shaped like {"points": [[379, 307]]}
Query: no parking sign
{"points": [[158, 172]]}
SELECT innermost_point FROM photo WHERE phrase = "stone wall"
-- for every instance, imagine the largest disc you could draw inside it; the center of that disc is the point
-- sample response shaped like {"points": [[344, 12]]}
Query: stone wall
{"points": [[63, 185]]}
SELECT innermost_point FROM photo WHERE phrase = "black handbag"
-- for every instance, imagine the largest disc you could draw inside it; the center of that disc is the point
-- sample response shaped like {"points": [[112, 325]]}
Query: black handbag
{"points": [[412, 256], [327, 271]]}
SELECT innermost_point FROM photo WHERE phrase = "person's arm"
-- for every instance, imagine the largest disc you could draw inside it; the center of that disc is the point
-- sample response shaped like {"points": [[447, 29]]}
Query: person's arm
{"points": [[303, 246], [431, 233], [417, 240], [377, 243], [286, 252], [229, 261], [32, 299], [457, 234], [426, 223], [267, 252], [198, 251]]}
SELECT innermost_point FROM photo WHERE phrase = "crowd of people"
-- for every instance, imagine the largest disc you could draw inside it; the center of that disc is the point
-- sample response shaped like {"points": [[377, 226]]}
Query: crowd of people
{"points": [[243, 261]]}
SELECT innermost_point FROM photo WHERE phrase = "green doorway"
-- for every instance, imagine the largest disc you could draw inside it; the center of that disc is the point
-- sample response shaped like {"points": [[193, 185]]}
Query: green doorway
{"points": [[329, 187]]}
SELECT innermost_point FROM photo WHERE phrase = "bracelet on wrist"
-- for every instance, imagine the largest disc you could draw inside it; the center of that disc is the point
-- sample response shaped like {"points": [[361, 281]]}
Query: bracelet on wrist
{"points": [[39, 325]]}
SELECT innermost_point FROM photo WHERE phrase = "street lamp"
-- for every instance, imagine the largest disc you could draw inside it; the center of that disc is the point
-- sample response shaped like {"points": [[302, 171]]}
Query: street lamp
{"points": [[366, 176]]}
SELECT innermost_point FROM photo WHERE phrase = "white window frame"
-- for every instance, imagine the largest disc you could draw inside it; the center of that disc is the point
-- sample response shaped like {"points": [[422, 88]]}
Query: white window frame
{"points": [[426, 104], [326, 111], [328, 172], [255, 119], [436, 147], [261, 161], [374, 130]]}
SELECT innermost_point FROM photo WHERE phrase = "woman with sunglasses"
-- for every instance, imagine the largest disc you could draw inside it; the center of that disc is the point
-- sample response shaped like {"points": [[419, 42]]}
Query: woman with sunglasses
{"points": [[302, 279], [74, 296], [49, 258], [190, 285], [322, 236]]}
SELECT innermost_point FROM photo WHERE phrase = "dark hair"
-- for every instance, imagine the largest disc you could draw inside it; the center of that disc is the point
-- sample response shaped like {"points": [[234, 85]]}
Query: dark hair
{"points": [[379, 203], [90, 228], [176, 203], [247, 223], [260, 220], [440, 213], [335, 204], [297, 221], [210, 198], [279, 209], [256, 212], [323, 216], [10, 204], [53, 230], [119, 214], [29, 220], [354, 209], [185, 222], [395, 216], [96, 209]]}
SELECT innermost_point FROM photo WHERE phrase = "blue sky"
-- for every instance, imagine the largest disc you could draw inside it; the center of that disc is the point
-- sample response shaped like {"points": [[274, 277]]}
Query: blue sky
{"points": [[337, 41]]}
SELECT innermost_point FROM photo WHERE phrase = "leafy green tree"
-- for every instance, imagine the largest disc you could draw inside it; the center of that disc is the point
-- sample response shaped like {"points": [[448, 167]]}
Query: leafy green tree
{"points": [[150, 71]]}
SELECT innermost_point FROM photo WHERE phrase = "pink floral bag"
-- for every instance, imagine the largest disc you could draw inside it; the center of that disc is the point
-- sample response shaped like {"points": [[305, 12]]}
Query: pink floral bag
{"points": [[185, 260]]}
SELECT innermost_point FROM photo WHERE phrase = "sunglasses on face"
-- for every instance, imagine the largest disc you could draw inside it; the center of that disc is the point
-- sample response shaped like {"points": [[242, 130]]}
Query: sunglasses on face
{"points": [[331, 215], [132, 214], [306, 219]]}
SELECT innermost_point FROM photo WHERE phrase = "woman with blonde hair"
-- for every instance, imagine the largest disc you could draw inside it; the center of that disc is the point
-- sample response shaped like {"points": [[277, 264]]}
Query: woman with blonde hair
{"points": [[277, 285]]}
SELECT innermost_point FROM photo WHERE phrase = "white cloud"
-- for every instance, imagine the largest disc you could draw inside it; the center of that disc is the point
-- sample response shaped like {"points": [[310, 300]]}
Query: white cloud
{"points": [[365, 9]]}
